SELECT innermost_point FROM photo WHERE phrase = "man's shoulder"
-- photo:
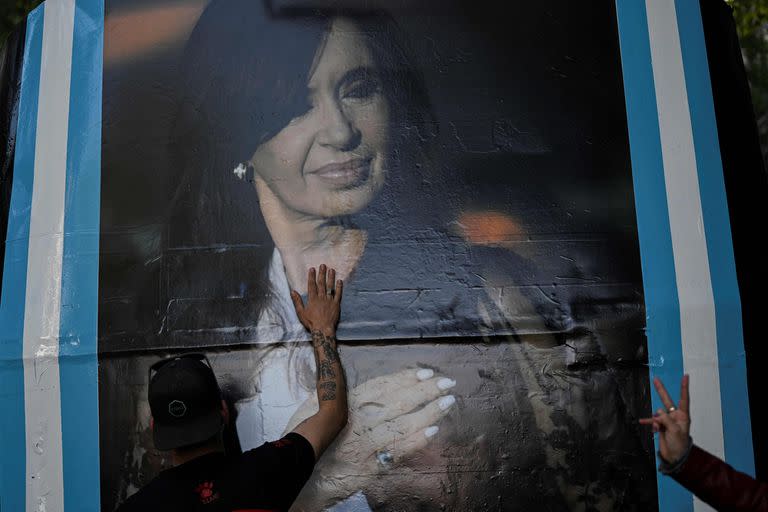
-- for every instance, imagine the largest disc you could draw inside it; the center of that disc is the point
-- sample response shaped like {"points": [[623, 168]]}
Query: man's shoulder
{"points": [[269, 476], [149, 497], [137, 501], [291, 445], [291, 457]]}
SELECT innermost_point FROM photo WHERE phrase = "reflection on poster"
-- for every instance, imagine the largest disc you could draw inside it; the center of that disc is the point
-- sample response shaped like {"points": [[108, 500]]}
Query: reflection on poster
{"points": [[467, 174]]}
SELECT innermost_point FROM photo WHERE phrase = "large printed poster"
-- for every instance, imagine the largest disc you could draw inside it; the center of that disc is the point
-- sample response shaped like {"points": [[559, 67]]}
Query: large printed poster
{"points": [[464, 167]]}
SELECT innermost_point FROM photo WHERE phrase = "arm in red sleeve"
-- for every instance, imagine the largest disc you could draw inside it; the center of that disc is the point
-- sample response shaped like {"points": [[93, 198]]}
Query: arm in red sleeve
{"points": [[719, 485]]}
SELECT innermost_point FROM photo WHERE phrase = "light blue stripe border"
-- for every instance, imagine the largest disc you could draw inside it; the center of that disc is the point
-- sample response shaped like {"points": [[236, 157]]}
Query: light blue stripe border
{"points": [[717, 228], [12, 422], [78, 359], [661, 301]]}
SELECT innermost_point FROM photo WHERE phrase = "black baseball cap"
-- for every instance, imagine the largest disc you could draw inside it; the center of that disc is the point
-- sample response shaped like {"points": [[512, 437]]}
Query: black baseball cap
{"points": [[185, 401]]}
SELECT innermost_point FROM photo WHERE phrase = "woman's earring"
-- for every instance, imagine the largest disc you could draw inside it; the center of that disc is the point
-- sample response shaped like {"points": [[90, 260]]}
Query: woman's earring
{"points": [[244, 171]]}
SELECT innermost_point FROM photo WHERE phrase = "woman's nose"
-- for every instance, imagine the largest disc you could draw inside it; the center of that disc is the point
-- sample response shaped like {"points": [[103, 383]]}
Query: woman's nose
{"points": [[338, 130]]}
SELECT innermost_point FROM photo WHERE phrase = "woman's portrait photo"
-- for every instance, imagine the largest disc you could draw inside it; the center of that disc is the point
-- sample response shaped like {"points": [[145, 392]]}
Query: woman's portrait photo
{"points": [[467, 174]]}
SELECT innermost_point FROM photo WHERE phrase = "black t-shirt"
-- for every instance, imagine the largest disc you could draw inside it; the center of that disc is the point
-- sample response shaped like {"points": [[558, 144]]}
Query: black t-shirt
{"points": [[265, 479]]}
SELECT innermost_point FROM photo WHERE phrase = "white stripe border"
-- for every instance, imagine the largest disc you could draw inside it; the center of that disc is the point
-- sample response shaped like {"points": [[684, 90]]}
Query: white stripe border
{"points": [[42, 399], [689, 245]]}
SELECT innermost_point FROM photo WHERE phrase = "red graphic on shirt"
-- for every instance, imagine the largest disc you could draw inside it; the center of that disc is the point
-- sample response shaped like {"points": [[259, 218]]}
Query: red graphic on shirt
{"points": [[206, 493]]}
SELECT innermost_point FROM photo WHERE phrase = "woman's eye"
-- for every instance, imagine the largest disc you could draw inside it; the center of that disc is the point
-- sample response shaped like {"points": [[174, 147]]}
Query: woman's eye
{"points": [[362, 89]]}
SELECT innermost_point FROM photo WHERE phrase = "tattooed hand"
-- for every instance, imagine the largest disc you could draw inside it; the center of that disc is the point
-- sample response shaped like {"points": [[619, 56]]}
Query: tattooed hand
{"points": [[320, 316], [323, 308]]}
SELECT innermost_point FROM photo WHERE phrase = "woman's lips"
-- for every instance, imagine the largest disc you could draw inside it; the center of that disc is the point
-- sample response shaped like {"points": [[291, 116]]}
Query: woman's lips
{"points": [[345, 174]]}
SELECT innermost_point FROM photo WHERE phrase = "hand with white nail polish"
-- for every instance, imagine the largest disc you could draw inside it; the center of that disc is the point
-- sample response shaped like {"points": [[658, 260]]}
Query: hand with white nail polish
{"points": [[396, 414]]}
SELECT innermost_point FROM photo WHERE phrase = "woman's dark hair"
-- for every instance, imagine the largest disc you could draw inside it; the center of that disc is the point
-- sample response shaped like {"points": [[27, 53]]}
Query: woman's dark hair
{"points": [[243, 78]]}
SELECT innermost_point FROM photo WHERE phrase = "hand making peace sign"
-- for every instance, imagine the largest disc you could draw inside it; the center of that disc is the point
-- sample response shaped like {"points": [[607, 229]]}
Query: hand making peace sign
{"points": [[672, 424]]}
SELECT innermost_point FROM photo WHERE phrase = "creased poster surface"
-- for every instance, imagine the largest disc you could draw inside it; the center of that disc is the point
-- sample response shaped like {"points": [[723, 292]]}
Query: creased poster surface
{"points": [[465, 170]]}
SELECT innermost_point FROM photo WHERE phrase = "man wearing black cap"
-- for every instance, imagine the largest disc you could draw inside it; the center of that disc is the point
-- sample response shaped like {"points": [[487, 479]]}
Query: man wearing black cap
{"points": [[188, 416]]}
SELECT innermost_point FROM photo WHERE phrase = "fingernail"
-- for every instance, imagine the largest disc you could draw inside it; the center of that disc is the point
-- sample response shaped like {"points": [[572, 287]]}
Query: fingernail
{"points": [[431, 431], [445, 383], [424, 374], [446, 402]]}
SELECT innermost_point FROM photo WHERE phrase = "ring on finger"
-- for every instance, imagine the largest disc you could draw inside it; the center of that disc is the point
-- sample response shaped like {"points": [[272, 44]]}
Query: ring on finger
{"points": [[672, 408]]}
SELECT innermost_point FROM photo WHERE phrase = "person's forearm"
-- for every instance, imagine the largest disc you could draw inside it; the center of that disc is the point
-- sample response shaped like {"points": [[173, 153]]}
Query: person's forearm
{"points": [[331, 385]]}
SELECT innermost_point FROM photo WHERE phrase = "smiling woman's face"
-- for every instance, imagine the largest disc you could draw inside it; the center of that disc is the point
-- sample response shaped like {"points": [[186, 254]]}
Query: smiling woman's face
{"points": [[333, 159]]}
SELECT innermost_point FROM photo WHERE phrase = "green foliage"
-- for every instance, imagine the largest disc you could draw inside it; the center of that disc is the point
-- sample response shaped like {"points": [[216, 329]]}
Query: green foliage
{"points": [[751, 18], [12, 12]]}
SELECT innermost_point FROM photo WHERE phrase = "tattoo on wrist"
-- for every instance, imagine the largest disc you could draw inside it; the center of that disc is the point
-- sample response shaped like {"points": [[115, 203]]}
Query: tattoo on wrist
{"points": [[326, 357], [330, 352], [325, 371], [327, 344], [319, 337]]}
